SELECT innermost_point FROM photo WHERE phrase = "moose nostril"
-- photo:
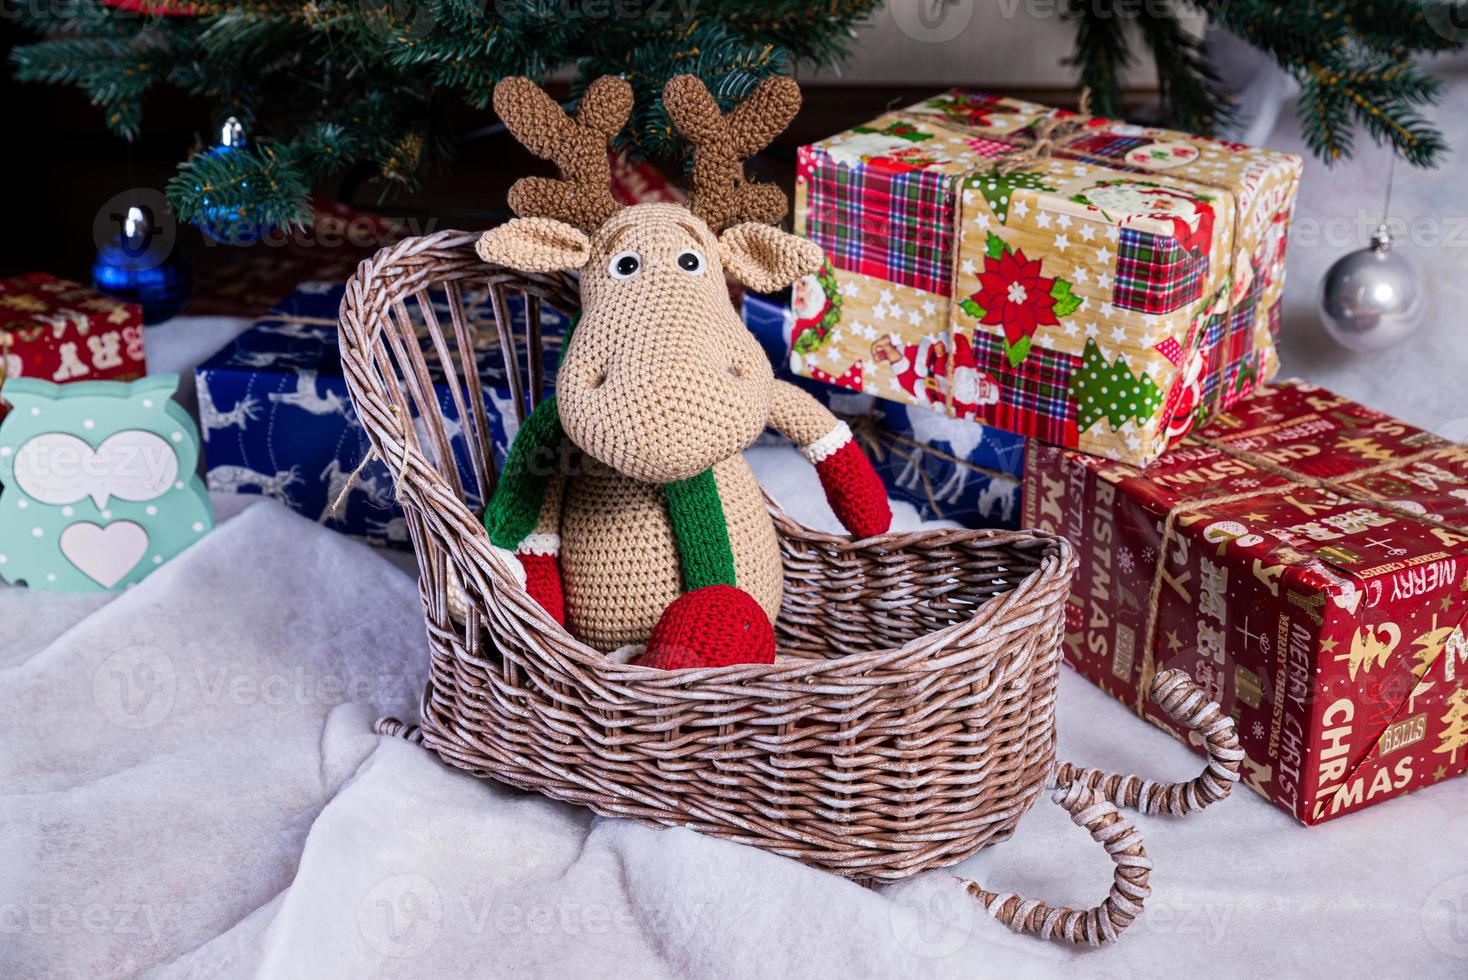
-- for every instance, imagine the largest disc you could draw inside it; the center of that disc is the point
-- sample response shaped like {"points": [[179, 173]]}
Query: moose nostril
{"points": [[597, 378], [736, 371]]}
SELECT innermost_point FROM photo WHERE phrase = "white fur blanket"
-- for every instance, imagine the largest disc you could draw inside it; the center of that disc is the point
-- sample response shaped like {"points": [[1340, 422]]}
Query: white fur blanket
{"points": [[189, 786]]}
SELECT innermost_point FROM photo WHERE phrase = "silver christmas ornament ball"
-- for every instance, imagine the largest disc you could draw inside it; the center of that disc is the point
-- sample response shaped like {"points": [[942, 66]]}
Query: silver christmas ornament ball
{"points": [[1372, 299]]}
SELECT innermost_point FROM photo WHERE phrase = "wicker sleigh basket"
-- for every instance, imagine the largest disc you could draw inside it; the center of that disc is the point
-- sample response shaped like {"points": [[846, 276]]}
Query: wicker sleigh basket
{"points": [[908, 723]]}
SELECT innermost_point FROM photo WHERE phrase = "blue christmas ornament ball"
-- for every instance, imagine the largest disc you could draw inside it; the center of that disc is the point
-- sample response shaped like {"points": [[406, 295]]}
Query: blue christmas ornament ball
{"points": [[230, 225], [138, 263]]}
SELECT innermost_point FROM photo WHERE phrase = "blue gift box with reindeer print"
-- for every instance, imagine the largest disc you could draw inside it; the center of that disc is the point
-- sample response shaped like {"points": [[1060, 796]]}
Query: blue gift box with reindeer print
{"points": [[276, 418], [948, 468]]}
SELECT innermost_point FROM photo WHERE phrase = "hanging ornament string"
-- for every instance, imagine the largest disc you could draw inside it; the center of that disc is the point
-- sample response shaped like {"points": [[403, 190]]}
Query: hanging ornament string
{"points": [[1391, 179]]}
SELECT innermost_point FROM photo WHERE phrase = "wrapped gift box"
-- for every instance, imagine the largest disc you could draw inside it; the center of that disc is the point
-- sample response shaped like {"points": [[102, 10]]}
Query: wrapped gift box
{"points": [[277, 419], [1306, 558], [59, 331], [947, 468], [1104, 298]]}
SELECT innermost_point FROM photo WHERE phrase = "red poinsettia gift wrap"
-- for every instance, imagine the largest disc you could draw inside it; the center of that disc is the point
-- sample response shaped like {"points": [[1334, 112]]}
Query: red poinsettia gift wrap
{"points": [[1303, 556], [1078, 280], [60, 331]]}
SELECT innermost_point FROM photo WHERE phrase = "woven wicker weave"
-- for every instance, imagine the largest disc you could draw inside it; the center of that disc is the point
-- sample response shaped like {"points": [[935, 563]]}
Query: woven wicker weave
{"points": [[908, 723]]}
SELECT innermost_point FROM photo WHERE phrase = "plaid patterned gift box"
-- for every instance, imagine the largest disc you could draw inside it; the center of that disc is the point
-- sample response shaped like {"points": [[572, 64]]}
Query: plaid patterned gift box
{"points": [[1156, 275], [1106, 297]]}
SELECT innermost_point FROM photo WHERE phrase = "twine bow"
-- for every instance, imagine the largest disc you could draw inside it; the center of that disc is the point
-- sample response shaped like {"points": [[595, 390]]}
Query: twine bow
{"points": [[1051, 133]]}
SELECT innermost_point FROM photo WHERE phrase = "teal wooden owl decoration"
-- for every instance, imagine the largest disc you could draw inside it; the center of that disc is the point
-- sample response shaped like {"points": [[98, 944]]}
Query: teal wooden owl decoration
{"points": [[99, 482]]}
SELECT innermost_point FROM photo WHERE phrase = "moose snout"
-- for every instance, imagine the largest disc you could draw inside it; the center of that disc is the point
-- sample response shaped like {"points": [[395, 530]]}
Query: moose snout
{"points": [[668, 410]]}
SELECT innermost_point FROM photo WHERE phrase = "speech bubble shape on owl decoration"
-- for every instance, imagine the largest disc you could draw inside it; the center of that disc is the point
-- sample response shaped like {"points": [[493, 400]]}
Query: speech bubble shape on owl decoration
{"points": [[99, 482]]}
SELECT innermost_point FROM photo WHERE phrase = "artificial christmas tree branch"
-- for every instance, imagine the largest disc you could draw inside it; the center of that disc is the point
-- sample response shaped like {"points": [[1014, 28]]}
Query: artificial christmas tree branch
{"points": [[327, 85], [1102, 51], [1353, 60]]}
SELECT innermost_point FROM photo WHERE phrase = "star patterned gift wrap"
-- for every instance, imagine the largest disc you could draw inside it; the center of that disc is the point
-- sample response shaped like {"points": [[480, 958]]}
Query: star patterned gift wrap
{"points": [[59, 331], [1106, 297], [277, 419], [1306, 559]]}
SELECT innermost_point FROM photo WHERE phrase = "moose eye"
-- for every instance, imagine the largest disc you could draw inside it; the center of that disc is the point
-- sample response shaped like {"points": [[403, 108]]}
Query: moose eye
{"points": [[690, 262], [624, 265]]}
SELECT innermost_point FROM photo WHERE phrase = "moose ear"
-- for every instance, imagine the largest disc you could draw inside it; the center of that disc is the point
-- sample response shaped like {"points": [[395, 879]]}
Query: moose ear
{"points": [[535, 245], [767, 259]]}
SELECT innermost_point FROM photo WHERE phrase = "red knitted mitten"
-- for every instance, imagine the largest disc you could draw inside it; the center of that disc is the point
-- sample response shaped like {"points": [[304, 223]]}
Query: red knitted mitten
{"points": [[715, 626], [853, 489], [543, 582]]}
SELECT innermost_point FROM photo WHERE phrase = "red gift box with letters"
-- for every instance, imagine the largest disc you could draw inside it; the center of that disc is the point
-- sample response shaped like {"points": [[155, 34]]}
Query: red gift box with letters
{"points": [[59, 331], [1306, 558]]}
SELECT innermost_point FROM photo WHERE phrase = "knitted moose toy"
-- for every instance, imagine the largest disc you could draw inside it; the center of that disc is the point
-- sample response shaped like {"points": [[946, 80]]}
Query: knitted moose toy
{"points": [[660, 528]]}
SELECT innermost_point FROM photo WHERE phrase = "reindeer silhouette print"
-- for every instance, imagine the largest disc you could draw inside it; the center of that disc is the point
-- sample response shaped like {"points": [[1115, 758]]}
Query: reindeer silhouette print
{"points": [[377, 492], [308, 399], [659, 534], [211, 419], [237, 479]]}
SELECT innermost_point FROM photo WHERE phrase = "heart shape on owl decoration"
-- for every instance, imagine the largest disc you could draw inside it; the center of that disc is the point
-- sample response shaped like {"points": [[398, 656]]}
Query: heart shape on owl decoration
{"points": [[104, 554], [99, 487]]}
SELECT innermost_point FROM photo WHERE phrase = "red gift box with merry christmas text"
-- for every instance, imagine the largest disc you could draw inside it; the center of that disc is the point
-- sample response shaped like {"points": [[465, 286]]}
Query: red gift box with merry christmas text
{"points": [[60, 331], [1304, 557]]}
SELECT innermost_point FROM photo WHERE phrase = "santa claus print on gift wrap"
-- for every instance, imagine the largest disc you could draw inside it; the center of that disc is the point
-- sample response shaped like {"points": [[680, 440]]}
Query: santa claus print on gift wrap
{"points": [[957, 380], [1014, 296], [909, 364], [1180, 412], [815, 302], [923, 370], [1269, 257], [1165, 242], [1128, 202]]}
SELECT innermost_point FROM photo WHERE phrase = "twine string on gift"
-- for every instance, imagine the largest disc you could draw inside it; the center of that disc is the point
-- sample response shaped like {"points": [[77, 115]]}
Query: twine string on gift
{"points": [[1051, 133], [1341, 486]]}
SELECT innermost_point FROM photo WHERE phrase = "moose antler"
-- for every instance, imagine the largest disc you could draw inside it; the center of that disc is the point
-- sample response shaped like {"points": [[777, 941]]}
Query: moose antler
{"points": [[579, 149], [722, 194]]}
